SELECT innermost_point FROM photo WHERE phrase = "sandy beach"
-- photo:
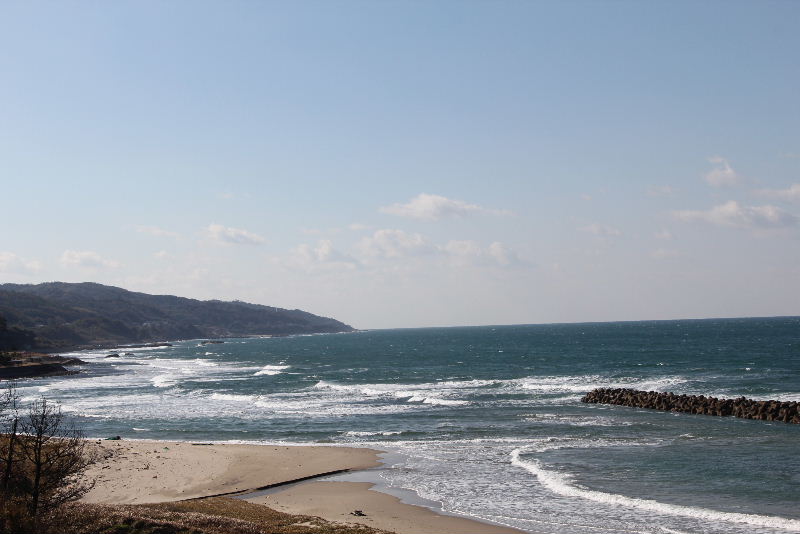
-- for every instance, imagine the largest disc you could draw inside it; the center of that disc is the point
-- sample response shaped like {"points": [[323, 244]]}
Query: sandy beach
{"points": [[138, 472], [334, 501]]}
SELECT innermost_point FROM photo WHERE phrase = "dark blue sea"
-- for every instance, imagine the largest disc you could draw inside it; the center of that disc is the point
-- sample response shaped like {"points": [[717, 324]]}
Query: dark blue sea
{"points": [[487, 421]]}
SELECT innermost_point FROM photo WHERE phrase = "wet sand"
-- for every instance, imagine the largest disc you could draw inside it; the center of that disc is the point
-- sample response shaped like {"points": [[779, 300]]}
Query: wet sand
{"points": [[335, 501]]}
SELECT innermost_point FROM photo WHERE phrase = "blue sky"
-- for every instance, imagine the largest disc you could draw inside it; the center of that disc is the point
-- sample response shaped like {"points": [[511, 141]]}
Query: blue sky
{"points": [[412, 163]]}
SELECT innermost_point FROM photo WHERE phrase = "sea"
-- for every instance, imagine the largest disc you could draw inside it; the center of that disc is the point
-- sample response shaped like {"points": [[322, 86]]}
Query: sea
{"points": [[486, 422]]}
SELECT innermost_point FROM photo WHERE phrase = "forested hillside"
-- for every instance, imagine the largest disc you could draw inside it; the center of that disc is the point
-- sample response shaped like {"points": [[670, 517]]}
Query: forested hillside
{"points": [[59, 314]]}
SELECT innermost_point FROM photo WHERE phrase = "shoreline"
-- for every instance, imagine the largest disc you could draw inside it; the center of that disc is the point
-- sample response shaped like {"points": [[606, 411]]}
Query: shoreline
{"points": [[298, 479]]}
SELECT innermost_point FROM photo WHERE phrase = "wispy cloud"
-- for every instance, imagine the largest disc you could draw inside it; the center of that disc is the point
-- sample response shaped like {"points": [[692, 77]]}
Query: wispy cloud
{"points": [[156, 231], [732, 214], [722, 174], [232, 236], [664, 235], [496, 253], [600, 230], [791, 193], [660, 191], [435, 207], [323, 256], [86, 259], [664, 253], [12, 263], [394, 244]]}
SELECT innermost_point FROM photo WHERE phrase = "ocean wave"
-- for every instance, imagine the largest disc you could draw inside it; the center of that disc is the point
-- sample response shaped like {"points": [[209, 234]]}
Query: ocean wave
{"points": [[561, 484], [356, 433], [234, 397], [436, 401], [164, 381], [548, 385], [585, 383], [575, 420], [271, 370], [434, 394]]}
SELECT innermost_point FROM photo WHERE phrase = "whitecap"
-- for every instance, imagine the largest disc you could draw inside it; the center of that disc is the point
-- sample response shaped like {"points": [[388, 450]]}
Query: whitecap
{"points": [[356, 433], [271, 370], [233, 397], [164, 381]]}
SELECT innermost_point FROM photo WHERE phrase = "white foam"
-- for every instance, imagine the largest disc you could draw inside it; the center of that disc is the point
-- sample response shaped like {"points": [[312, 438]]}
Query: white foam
{"points": [[234, 397], [164, 381], [271, 370], [437, 402], [560, 484], [356, 433]]}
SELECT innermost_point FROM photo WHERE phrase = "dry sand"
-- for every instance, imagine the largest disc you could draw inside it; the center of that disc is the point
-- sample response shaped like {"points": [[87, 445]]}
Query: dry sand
{"points": [[135, 472], [148, 472]]}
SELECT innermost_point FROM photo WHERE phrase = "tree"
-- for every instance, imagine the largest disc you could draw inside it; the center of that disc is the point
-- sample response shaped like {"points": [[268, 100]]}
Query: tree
{"points": [[55, 454], [9, 416]]}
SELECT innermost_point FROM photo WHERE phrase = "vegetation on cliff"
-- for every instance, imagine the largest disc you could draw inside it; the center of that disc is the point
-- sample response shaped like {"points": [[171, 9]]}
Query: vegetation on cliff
{"points": [[57, 315]]}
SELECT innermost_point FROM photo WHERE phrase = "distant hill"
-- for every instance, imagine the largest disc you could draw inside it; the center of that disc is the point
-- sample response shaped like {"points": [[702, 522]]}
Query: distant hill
{"points": [[60, 315]]}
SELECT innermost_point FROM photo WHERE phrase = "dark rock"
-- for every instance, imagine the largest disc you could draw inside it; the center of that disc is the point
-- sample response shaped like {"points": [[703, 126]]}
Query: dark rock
{"points": [[772, 410], [34, 371]]}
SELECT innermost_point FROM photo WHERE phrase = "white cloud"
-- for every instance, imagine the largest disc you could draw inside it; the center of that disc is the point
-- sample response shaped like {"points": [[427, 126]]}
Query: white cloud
{"points": [[502, 254], [463, 248], [600, 230], [234, 236], [471, 251], [86, 259], [435, 207], [394, 244], [156, 231], [321, 256], [722, 174], [357, 227], [731, 214], [791, 193], [11, 263]]}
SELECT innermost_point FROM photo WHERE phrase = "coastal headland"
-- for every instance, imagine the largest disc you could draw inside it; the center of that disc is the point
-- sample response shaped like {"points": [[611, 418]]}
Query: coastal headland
{"points": [[139, 472]]}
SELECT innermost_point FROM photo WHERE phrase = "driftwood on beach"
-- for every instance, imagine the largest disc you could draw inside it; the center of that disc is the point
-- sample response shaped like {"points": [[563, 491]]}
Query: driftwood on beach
{"points": [[771, 410]]}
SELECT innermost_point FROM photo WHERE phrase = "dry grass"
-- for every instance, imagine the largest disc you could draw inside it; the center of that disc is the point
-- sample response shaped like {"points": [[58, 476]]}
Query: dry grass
{"points": [[219, 515]]}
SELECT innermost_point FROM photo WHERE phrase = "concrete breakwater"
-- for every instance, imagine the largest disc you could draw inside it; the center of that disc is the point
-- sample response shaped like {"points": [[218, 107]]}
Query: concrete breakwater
{"points": [[771, 410]]}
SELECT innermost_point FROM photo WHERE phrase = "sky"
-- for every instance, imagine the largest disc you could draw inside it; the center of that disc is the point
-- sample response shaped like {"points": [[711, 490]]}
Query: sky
{"points": [[409, 163]]}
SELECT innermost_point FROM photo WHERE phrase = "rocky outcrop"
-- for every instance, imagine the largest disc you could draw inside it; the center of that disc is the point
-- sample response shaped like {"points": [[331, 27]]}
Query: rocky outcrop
{"points": [[771, 410], [34, 370]]}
